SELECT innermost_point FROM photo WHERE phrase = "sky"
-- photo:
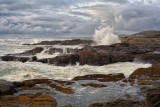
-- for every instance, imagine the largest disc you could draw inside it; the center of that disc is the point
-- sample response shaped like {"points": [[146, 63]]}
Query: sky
{"points": [[76, 18]]}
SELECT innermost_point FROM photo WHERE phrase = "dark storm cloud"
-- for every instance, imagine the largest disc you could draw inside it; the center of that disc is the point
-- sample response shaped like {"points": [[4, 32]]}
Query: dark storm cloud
{"points": [[77, 17]]}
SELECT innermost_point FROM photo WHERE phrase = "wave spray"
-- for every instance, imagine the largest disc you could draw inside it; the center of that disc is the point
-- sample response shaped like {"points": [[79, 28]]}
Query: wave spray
{"points": [[105, 36]]}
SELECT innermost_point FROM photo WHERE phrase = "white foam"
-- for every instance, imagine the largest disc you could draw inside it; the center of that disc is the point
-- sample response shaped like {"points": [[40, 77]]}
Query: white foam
{"points": [[17, 71], [105, 36]]}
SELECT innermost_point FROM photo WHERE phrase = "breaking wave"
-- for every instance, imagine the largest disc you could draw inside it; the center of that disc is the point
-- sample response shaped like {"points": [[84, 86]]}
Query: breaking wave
{"points": [[105, 36]]}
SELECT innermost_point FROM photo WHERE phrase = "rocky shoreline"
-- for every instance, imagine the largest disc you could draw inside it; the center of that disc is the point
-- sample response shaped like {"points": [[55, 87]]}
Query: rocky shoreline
{"points": [[49, 93], [143, 49], [42, 92]]}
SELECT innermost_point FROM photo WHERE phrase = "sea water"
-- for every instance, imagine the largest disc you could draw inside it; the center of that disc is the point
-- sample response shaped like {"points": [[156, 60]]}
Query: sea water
{"points": [[17, 71], [83, 96]]}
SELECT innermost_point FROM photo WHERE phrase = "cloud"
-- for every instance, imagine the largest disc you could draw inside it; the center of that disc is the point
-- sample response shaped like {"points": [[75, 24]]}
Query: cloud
{"points": [[128, 18], [77, 17]]}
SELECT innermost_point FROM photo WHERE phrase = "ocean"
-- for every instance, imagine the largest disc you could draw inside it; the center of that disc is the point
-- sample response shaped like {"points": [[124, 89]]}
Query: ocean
{"points": [[83, 96], [18, 71]]}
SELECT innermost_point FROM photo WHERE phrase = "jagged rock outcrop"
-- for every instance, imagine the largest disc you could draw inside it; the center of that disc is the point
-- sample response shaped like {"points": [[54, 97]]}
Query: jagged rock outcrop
{"points": [[23, 57], [143, 50], [32, 51], [64, 42], [101, 55]]}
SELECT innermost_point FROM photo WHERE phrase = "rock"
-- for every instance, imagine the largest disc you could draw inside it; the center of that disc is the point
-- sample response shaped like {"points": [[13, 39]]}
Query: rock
{"points": [[101, 55], [29, 100], [54, 50], [128, 96], [119, 103], [58, 86], [18, 58], [64, 82], [149, 58], [94, 55], [68, 106], [145, 89], [32, 52], [50, 93], [48, 43], [70, 59], [8, 100], [23, 57], [101, 77], [45, 60], [153, 97], [122, 85], [144, 82], [33, 82], [151, 73], [31, 88], [67, 90], [94, 85], [76, 42], [65, 42], [92, 58], [6, 88], [121, 57], [43, 101]]}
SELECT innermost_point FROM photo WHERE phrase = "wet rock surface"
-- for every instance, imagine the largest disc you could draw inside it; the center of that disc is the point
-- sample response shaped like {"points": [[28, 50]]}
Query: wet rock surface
{"points": [[89, 88], [153, 97], [101, 55], [28, 55], [101, 77], [29, 100], [152, 73], [131, 48], [119, 103], [64, 42], [18, 58], [52, 93], [6, 87]]}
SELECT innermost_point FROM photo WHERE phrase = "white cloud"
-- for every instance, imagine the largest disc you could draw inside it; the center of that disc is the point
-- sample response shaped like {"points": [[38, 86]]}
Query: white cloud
{"points": [[77, 17]]}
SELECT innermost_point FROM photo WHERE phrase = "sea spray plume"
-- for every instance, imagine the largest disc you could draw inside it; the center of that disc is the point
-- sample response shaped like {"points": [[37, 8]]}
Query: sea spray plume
{"points": [[105, 36]]}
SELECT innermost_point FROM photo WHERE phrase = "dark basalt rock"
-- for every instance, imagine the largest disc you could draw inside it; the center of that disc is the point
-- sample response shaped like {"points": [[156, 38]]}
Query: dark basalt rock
{"points": [[101, 55], [149, 57], [65, 60]]}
